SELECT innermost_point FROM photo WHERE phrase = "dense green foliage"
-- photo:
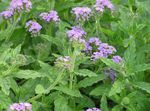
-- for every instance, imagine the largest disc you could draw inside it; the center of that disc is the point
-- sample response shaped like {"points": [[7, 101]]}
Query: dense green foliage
{"points": [[28, 72]]}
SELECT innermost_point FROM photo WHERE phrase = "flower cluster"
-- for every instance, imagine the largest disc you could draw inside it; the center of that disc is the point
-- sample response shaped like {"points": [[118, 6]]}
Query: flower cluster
{"points": [[20, 107], [93, 109], [92, 45], [63, 62], [101, 4], [97, 49], [76, 34], [16, 6], [50, 16], [19, 5], [117, 59], [6, 14], [33, 27], [82, 13], [111, 73]]}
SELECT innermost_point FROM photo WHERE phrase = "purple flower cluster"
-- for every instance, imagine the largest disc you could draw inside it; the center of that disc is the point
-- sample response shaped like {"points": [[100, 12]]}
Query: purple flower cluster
{"points": [[63, 62], [76, 34], [19, 5], [111, 73], [20, 107], [101, 4], [97, 49], [6, 14], [16, 6], [50, 16], [91, 44], [33, 27], [117, 59], [93, 109], [82, 13]]}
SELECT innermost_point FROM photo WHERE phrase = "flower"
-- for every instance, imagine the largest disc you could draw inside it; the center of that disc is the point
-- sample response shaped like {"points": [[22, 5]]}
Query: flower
{"points": [[106, 49], [97, 55], [101, 4], [50, 16], [117, 59], [82, 13], [6, 14], [92, 44], [76, 34], [93, 109], [111, 73], [19, 5], [63, 62], [20, 107], [33, 27]]}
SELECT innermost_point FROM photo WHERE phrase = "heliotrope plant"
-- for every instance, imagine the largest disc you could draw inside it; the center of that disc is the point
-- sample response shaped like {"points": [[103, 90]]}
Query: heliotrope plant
{"points": [[74, 55]]}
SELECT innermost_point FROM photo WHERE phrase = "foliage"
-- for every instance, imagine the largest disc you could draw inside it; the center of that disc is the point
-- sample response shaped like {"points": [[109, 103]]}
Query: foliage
{"points": [[27, 64]]}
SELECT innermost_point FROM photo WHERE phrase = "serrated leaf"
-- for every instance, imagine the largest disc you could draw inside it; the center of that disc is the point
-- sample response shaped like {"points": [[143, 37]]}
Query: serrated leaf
{"points": [[104, 106], [118, 86], [112, 64], [130, 54], [66, 90], [100, 90], [39, 89], [117, 108], [143, 86], [5, 101], [27, 74], [142, 67], [85, 72], [89, 81], [5, 85], [61, 104]]}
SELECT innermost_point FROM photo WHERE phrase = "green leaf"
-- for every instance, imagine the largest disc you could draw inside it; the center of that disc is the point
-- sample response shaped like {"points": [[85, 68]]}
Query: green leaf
{"points": [[117, 108], [5, 101], [100, 90], [66, 90], [39, 89], [85, 72], [112, 64], [27, 74], [61, 104], [118, 86], [143, 86], [89, 81], [142, 67], [130, 55], [5, 85], [84, 102], [103, 105]]}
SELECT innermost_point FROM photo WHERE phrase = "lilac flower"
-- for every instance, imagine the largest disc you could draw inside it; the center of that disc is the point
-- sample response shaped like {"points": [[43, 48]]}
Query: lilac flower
{"points": [[50, 16], [97, 55], [82, 13], [76, 34], [91, 44], [111, 73], [63, 62], [117, 59], [106, 49], [101, 4], [93, 109], [19, 5], [6, 14], [33, 27], [20, 107]]}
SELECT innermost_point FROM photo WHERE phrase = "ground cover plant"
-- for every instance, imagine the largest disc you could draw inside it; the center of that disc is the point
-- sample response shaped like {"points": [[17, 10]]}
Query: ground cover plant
{"points": [[74, 55]]}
